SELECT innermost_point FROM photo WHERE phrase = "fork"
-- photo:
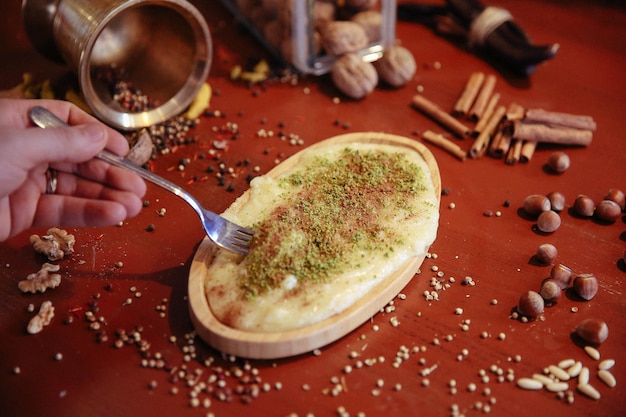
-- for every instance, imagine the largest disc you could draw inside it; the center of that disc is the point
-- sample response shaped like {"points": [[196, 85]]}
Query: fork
{"points": [[221, 231]]}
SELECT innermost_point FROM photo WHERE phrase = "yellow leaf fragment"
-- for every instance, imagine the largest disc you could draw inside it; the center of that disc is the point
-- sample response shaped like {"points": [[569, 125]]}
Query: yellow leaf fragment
{"points": [[200, 102]]}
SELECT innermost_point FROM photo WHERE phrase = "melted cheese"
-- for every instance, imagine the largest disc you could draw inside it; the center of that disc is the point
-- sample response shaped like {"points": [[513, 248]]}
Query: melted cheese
{"points": [[394, 225]]}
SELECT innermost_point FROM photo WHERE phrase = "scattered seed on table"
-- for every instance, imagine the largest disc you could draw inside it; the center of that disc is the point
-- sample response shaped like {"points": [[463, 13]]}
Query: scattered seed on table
{"points": [[557, 386], [559, 373], [607, 377], [592, 352], [606, 364], [575, 369], [589, 391], [583, 376], [529, 384]]}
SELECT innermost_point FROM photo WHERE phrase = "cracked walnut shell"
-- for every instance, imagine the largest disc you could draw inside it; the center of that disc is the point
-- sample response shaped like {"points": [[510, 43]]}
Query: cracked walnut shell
{"points": [[56, 244], [41, 280]]}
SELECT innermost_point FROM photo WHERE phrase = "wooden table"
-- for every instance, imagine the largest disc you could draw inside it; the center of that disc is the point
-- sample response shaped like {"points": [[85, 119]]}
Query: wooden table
{"points": [[135, 280]]}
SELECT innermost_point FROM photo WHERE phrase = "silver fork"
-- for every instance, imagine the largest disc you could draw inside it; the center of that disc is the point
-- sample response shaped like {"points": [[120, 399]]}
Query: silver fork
{"points": [[221, 231]]}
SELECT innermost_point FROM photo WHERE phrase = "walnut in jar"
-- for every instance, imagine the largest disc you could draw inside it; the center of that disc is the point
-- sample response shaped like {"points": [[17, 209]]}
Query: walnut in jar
{"points": [[353, 76], [361, 4], [341, 37], [371, 22]]}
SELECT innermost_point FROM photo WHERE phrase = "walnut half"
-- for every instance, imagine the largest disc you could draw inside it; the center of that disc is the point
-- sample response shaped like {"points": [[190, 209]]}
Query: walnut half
{"points": [[41, 319], [56, 244], [41, 280]]}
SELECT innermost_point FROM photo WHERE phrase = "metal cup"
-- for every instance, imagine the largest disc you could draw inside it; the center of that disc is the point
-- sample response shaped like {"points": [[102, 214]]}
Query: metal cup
{"points": [[164, 47]]}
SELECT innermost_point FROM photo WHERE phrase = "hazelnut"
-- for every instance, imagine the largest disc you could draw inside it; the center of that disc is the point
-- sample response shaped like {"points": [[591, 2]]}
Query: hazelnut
{"points": [[557, 201], [550, 291], [530, 304], [546, 253], [584, 205], [558, 162], [561, 274], [594, 331], [548, 221], [617, 196], [535, 204], [608, 211], [586, 286]]}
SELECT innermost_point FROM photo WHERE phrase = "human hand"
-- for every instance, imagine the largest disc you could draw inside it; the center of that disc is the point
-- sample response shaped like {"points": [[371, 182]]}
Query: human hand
{"points": [[89, 192]]}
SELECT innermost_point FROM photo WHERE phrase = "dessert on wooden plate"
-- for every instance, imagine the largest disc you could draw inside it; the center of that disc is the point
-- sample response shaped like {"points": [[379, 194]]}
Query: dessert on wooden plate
{"points": [[340, 228]]}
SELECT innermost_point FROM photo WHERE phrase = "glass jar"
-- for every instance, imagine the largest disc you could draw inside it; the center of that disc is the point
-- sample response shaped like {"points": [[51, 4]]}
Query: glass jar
{"points": [[293, 30]]}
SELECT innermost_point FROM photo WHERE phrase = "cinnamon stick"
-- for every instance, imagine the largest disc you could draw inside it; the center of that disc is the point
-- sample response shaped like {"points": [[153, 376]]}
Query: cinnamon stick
{"points": [[433, 111], [445, 144], [504, 144], [482, 99], [514, 152], [560, 119], [549, 134], [491, 106], [515, 112], [482, 141], [494, 146], [468, 95], [527, 151]]}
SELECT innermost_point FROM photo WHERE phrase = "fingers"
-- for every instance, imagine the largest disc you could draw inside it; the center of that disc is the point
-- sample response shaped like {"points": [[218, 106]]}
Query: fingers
{"points": [[14, 114], [73, 211], [111, 183]]}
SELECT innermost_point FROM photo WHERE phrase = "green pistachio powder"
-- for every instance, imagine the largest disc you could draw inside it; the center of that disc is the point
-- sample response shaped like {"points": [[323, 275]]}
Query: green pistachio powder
{"points": [[338, 214]]}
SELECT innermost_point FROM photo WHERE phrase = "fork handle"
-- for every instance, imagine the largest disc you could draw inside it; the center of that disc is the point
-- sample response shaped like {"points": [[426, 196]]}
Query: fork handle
{"points": [[121, 162], [43, 118]]}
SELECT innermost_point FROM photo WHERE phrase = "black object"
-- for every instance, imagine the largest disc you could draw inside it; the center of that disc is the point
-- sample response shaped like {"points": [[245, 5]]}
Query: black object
{"points": [[501, 37]]}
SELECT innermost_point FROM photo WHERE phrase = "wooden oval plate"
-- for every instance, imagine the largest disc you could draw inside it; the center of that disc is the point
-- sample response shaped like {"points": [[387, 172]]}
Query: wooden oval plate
{"points": [[275, 345]]}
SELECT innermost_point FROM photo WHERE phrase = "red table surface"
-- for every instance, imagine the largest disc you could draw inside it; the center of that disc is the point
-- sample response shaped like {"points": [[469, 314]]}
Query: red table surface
{"points": [[96, 379]]}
